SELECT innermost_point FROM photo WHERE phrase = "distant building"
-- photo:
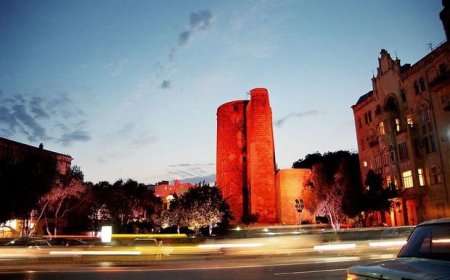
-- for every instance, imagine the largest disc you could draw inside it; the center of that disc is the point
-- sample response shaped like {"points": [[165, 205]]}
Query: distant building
{"points": [[403, 132], [15, 152], [165, 190], [245, 164]]}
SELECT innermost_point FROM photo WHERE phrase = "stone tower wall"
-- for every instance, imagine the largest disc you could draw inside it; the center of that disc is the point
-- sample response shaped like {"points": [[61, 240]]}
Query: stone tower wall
{"points": [[231, 155], [261, 157], [289, 187]]}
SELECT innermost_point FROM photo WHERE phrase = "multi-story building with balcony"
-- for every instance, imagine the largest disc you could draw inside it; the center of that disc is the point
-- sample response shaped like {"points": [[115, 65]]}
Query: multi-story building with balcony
{"points": [[403, 132]]}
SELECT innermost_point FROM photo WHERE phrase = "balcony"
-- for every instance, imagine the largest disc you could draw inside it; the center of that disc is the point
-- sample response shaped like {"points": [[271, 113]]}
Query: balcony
{"points": [[440, 81]]}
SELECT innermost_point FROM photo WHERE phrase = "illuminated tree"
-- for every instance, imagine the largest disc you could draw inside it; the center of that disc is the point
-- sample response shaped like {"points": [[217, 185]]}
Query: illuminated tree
{"points": [[64, 196], [200, 207], [329, 193], [176, 215], [334, 189]]}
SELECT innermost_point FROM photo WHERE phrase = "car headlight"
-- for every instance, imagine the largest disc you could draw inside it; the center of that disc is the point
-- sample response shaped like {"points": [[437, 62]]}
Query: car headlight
{"points": [[352, 276]]}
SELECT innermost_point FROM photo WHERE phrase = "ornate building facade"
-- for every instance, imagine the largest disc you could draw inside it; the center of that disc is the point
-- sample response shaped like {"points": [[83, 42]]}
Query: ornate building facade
{"points": [[403, 132]]}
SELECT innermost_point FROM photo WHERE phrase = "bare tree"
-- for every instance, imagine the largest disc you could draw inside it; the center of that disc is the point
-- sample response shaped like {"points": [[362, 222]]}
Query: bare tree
{"points": [[329, 193]]}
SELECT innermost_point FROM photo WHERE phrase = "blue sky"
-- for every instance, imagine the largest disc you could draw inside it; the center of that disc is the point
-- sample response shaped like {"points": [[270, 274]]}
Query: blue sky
{"points": [[130, 89]]}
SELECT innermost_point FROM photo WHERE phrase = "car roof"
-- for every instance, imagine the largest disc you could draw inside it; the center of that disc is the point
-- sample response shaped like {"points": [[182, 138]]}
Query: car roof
{"points": [[436, 221]]}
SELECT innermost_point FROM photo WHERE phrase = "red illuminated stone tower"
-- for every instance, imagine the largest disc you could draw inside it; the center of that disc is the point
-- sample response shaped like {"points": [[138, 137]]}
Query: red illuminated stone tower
{"points": [[231, 157], [246, 157]]}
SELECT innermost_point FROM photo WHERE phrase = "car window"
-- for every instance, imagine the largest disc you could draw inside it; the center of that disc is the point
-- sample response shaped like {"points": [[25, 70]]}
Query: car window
{"points": [[151, 242], [430, 241]]}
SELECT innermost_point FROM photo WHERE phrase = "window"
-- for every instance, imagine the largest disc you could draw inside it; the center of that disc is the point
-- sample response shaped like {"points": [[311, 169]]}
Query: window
{"points": [[391, 182], [381, 129], [426, 145], [419, 86], [442, 69], [397, 125], [421, 177], [416, 87], [422, 84], [435, 176], [410, 121], [432, 143], [368, 117], [424, 113], [403, 151], [403, 95], [365, 163], [407, 179], [392, 153]]}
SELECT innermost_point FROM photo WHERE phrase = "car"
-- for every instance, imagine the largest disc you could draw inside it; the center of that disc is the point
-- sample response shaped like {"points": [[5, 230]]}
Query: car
{"points": [[28, 242], [67, 242], [144, 242], [426, 255]]}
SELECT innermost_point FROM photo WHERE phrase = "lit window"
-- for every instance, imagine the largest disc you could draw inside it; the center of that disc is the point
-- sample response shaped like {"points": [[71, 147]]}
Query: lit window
{"points": [[410, 121], [381, 129], [421, 177], [407, 179], [365, 163], [397, 125]]}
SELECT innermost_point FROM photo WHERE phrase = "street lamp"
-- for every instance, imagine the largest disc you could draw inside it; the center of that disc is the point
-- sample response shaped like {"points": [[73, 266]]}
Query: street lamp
{"points": [[299, 205]]}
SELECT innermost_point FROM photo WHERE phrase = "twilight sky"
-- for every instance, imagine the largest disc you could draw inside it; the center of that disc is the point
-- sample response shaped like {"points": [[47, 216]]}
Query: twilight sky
{"points": [[130, 89]]}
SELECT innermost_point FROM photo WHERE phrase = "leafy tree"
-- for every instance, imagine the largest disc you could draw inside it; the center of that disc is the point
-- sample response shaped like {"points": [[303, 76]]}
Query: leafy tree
{"points": [[64, 197], [98, 212], [23, 182], [377, 197], [176, 215], [308, 161], [200, 207], [129, 206], [334, 189]]}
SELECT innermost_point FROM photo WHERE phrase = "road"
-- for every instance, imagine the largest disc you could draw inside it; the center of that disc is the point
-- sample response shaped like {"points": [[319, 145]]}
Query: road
{"points": [[273, 257], [211, 269]]}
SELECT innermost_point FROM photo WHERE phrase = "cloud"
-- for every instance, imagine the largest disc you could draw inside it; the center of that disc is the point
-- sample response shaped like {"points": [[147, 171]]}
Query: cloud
{"points": [[279, 123], [165, 84], [116, 68], [190, 170], [38, 118], [78, 135], [198, 21], [133, 131]]}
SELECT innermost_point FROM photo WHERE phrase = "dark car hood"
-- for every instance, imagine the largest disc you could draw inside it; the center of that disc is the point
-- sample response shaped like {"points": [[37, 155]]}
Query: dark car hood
{"points": [[405, 268]]}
